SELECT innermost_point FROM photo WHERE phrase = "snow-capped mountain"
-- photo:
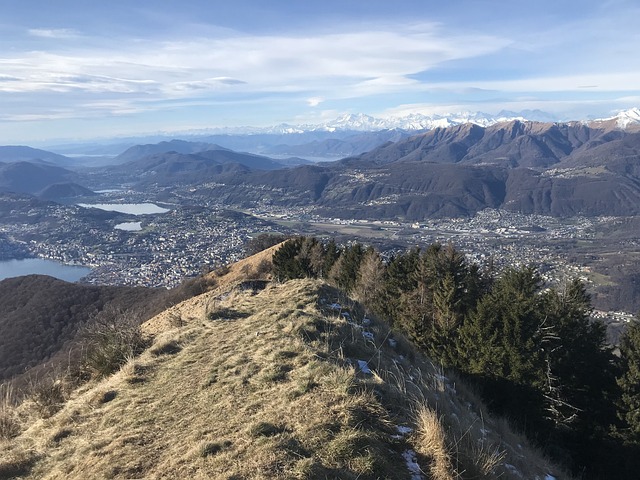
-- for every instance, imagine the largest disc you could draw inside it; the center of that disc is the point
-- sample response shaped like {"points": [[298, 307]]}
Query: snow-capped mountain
{"points": [[360, 122], [412, 122], [626, 118]]}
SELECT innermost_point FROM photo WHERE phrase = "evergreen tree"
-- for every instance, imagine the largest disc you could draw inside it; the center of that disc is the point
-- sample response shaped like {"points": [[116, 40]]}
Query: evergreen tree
{"points": [[399, 280], [286, 265], [370, 283], [629, 382], [580, 372], [496, 345], [344, 271], [331, 255], [445, 288]]}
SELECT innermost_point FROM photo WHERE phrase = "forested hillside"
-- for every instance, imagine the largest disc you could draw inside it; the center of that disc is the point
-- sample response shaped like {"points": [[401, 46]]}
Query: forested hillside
{"points": [[533, 352], [41, 319]]}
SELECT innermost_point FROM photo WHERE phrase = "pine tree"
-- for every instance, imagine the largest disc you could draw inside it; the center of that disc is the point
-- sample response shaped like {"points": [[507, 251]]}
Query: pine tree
{"points": [[286, 266], [580, 371], [629, 382], [344, 271], [444, 288], [496, 345]]}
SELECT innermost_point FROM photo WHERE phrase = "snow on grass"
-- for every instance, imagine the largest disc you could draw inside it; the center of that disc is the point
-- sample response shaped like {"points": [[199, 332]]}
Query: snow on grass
{"points": [[512, 470], [364, 366], [368, 335], [412, 464]]}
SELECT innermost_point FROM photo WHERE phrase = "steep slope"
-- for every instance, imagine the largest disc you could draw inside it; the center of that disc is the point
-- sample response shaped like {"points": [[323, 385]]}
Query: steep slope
{"points": [[529, 167], [511, 144], [286, 381]]}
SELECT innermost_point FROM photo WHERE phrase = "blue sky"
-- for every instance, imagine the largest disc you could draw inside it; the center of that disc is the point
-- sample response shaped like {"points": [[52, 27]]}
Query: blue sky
{"points": [[84, 69]]}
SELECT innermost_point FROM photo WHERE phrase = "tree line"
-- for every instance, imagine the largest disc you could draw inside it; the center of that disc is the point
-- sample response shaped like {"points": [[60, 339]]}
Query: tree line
{"points": [[534, 353]]}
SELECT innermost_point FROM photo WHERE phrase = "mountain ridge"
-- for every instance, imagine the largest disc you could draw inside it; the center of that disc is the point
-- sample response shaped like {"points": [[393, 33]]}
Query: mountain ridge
{"points": [[264, 359]]}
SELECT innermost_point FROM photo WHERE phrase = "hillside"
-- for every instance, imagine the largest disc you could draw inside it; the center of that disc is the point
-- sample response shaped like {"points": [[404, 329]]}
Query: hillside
{"points": [[61, 191], [41, 315], [256, 380], [31, 177], [20, 153]]}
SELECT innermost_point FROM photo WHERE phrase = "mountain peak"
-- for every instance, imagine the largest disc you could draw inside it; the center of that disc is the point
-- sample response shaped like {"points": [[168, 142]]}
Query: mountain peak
{"points": [[628, 117]]}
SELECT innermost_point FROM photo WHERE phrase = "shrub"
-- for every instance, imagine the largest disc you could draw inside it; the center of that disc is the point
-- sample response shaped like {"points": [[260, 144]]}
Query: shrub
{"points": [[48, 396], [111, 341]]}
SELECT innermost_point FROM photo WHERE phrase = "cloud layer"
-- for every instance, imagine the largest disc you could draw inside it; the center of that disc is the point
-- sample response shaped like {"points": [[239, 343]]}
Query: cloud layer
{"points": [[207, 74]]}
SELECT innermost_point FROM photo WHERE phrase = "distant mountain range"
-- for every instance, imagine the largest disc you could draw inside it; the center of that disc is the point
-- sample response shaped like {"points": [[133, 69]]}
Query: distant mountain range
{"points": [[574, 168], [529, 167], [360, 122]]}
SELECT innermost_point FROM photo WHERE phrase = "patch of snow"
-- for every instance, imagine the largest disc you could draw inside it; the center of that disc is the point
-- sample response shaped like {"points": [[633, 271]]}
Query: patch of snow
{"points": [[346, 315], [404, 430], [549, 477], [392, 343], [485, 431], [625, 118], [364, 366], [513, 470], [411, 461], [366, 322], [367, 336], [335, 306]]}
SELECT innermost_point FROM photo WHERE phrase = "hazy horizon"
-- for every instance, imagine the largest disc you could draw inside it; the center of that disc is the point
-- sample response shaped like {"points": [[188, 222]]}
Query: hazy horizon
{"points": [[78, 70]]}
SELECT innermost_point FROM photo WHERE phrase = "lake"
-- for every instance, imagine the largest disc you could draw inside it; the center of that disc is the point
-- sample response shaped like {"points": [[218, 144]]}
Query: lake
{"points": [[129, 226], [130, 208], [28, 266]]}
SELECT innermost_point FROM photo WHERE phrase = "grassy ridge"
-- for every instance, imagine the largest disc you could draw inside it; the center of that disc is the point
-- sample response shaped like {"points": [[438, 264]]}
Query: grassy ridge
{"points": [[271, 383]]}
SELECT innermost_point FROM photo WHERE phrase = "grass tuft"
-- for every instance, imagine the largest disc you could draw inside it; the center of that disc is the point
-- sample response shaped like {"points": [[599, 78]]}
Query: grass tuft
{"points": [[9, 425], [48, 397], [266, 429], [208, 449], [14, 464], [170, 347], [111, 344]]}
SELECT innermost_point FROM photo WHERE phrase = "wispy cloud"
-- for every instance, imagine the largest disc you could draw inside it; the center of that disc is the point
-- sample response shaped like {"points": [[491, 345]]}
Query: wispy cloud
{"points": [[57, 33], [163, 64], [356, 62]]}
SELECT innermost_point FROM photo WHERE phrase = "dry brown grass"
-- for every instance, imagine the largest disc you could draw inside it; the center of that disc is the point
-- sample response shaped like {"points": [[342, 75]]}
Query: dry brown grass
{"points": [[432, 443], [270, 386], [9, 424]]}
